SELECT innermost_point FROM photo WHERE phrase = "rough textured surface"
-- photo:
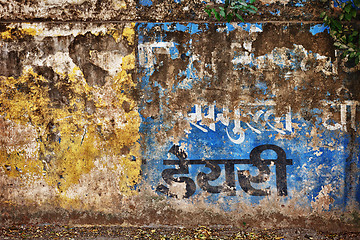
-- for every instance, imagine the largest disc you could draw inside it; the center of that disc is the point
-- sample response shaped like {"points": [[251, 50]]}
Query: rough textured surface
{"points": [[170, 233], [149, 10], [161, 117], [212, 94], [68, 115]]}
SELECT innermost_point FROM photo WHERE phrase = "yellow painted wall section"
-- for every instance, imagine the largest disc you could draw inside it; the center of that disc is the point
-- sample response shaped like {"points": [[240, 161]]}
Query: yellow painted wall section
{"points": [[67, 147]]}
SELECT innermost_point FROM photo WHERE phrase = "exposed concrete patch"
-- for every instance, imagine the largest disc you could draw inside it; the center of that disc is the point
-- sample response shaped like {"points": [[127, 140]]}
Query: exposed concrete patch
{"points": [[99, 189], [278, 36], [178, 189], [17, 137], [323, 200]]}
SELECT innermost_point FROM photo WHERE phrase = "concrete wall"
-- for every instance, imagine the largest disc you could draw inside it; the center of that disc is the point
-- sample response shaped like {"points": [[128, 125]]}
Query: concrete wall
{"points": [[148, 112]]}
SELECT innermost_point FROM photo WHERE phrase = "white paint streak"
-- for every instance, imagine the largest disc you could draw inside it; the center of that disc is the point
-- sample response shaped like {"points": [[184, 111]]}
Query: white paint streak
{"points": [[109, 60], [281, 124], [17, 137], [318, 153], [61, 62], [343, 115], [247, 46], [254, 29], [246, 58], [147, 52], [280, 57], [43, 30]]}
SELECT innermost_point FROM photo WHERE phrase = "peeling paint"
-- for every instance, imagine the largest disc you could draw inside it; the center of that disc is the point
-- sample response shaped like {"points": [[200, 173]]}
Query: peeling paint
{"points": [[13, 33], [175, 122], [250, 94], [69, 129], [323, 200]]}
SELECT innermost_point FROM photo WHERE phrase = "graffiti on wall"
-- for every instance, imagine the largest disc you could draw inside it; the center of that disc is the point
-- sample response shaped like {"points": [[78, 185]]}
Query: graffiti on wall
{"points": [[256, 121], [261, 116], [247, 121], [229, 187]]}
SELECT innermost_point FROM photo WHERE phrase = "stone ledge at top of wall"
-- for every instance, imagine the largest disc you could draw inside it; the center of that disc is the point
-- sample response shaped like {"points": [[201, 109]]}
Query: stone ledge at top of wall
{"points": [[151, 10]]}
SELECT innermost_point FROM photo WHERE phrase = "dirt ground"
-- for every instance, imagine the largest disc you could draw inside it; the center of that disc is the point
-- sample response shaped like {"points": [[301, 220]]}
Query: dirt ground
{"points": [[164, 233]]}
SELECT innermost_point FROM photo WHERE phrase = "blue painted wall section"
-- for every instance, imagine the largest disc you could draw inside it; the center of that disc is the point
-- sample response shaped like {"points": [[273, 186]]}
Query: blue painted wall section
{"points": [[243, 143], [146, 3]]}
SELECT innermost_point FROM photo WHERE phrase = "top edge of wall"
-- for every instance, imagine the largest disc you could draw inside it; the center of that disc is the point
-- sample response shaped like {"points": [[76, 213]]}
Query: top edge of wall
{"points": [[151, 10]]}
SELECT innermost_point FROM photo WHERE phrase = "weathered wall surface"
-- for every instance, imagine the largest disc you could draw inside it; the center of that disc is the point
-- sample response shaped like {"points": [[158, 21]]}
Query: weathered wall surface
{"points": [[141, 112], [69, 120], [147, 10], [235, 93]]}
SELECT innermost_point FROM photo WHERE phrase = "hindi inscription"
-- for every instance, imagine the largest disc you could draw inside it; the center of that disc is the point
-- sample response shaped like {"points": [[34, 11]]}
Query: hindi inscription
{"points": [[245, 179]]}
